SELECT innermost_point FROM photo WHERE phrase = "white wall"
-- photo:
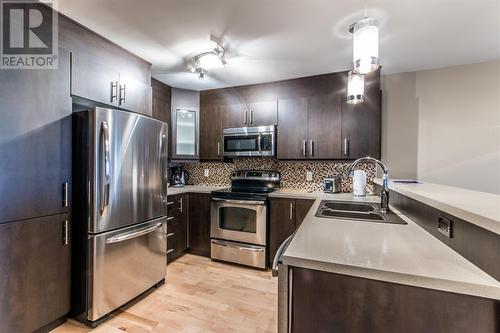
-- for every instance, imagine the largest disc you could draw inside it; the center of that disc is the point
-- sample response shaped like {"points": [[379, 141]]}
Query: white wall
{"points": [[443, 126]]}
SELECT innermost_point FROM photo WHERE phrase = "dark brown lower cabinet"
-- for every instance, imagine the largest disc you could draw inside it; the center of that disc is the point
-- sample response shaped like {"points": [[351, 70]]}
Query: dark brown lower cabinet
{"points": [[177, 226], [285, 216], [327, 302], [199, 223], [34, 273]]}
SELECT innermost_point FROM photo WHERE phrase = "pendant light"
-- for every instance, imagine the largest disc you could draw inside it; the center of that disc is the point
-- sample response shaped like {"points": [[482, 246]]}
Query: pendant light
{"points": [[355, 88], [365, 45]]}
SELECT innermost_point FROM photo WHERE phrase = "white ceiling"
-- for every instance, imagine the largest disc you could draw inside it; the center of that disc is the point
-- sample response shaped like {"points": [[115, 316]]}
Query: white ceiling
{"points": [[272, 40]]}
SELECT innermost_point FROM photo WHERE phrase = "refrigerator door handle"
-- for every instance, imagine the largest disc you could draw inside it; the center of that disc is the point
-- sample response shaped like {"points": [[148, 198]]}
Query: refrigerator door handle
{"points": [[104, 172], [130, 235]]}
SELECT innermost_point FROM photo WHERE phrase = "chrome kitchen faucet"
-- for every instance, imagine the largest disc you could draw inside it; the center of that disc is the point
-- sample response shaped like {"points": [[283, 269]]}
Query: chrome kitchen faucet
{"points": [[384, 194]]}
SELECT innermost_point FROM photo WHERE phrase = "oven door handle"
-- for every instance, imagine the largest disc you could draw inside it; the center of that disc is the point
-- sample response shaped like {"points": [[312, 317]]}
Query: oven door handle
{"points": [[279, 254], [240, 202], [242, 248]]}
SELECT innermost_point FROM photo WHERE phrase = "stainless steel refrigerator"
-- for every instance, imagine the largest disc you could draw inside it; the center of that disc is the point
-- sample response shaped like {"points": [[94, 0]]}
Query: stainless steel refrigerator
{"points": [[119, 218]]}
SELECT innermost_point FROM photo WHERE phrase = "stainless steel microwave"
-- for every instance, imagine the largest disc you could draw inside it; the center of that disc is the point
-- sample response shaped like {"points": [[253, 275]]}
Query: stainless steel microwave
{"points": [[249, 141]]}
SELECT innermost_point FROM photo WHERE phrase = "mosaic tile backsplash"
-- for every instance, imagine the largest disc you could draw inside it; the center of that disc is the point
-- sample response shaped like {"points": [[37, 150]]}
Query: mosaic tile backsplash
{"points": [[293, 173]]}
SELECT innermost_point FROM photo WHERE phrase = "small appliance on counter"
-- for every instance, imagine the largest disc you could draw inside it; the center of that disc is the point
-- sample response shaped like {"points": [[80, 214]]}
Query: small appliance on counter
{"points": [[331, 184], [178, 176]]}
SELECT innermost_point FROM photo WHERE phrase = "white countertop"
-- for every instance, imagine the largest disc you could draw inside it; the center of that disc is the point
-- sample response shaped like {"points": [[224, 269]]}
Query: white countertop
{"points": [[405, 254], [192, 189], [480, 208]]}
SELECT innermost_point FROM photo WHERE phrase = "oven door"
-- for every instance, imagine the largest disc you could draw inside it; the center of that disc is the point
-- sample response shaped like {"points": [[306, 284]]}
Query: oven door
{"points": [[239, 220]]}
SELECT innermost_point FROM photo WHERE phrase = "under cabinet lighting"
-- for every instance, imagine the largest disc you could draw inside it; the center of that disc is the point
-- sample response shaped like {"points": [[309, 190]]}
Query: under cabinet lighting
{"points": [[355, 88]]}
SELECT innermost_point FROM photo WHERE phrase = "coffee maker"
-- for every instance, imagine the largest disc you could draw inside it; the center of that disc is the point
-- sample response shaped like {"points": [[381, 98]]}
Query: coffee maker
{"points": [[178, 176]]}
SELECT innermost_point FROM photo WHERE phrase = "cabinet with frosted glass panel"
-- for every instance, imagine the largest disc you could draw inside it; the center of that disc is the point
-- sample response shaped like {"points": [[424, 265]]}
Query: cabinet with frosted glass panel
{"points": [[185, 124]]}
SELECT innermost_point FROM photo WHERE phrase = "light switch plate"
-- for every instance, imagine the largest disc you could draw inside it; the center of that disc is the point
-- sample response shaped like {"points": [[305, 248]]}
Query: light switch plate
{"points": [[206, 172], [309, 176]]}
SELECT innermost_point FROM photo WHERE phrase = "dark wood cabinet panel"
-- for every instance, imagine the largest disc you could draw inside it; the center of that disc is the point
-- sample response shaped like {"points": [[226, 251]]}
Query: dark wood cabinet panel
{"points": [[35, 273], [177, 227], [327, 302], [262, 113], [90, 45], [292, 128], [302, 207], [103, 72], [182, 224], [35, 141], [234, 115], [199, 223], [210, 133], [162, 107], [324, 126], [312, 116], [94, 81], [281, 223], [285, 216], [135, 96], [361, 123], [162, 101]]}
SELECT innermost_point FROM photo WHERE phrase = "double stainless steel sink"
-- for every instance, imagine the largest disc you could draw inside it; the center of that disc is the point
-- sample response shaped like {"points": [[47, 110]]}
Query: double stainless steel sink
{"points": [[356, 211]]}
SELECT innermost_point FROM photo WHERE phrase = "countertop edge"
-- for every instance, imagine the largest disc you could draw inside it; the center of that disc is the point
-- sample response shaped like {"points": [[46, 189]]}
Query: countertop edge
{"points": [[398, 278], [469, 216]]}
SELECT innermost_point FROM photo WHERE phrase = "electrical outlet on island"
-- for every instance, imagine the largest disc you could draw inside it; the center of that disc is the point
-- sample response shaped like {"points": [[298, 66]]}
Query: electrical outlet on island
{"points": [[206, 172]]}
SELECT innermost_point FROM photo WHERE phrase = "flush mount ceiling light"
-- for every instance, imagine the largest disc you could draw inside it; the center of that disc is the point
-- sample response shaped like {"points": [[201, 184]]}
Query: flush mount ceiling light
{"points": [[365, 45], [355, 88], [209, 60]]}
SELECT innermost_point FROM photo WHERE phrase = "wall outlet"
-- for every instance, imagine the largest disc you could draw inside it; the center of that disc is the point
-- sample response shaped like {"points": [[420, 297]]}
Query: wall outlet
{"points": [[309, 176], [206, 172]]}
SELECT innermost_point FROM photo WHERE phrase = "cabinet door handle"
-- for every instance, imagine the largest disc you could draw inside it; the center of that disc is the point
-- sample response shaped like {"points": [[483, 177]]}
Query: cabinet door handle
{"points": [[65, 194], [311, 147], [251, 116], [245, 117], [66, 232], [180, 205], [346, 146], [304, 147], [218, 149], [114, 91], [290, 214], [123, 89]]}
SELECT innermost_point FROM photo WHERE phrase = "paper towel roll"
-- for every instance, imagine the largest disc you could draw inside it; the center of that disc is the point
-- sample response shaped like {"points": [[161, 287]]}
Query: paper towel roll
{"points": [[359, 183]]}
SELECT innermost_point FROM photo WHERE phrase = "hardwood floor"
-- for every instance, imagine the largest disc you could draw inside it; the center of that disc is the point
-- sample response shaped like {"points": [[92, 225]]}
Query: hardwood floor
{"points": [[200, 296]]}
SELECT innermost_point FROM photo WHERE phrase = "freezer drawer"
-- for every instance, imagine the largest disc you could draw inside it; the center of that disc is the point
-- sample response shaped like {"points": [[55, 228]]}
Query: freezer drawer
{"points": [[123, 264]]}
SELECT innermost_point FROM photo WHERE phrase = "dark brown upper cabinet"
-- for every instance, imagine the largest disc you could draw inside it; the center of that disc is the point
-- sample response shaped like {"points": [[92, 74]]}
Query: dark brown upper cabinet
{"points": [[104, 73], [314, 121], [35, 142], [210, 133], [262, 113], [361, 123], [134, 95], [292, 128], [309, 118], [162, 105], [100, 83]]}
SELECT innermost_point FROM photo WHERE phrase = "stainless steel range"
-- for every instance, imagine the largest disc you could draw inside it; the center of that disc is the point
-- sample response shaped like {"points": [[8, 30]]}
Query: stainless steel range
{"points": [[239, 218]]}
